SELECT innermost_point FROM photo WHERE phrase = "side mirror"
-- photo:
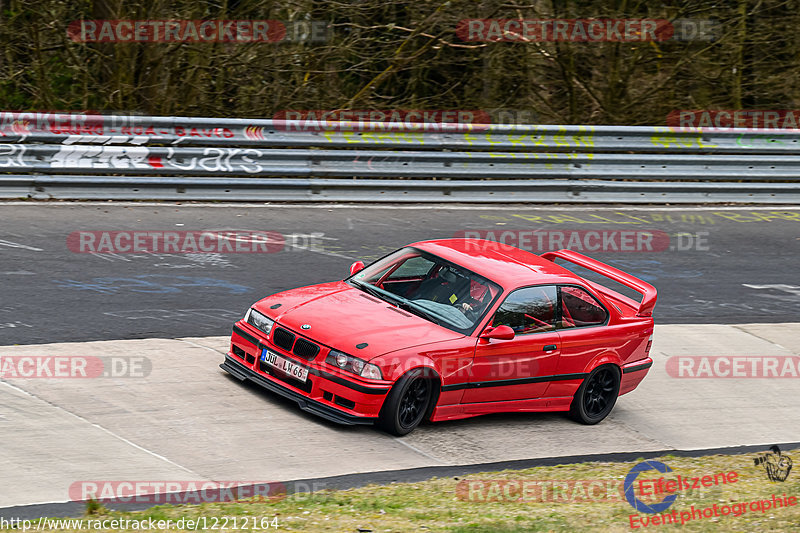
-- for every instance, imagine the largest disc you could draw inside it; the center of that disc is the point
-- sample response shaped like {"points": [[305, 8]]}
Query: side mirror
{"points": [[504, 333], [356, 267]]}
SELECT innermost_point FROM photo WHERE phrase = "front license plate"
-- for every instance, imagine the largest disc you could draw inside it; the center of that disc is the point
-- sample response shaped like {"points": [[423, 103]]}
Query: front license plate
{"points": [[284, 365]]}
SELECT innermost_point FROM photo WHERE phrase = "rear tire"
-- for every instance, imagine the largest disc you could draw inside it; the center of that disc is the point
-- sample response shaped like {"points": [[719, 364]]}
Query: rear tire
{"points": [[407, 403], [596, 396]]}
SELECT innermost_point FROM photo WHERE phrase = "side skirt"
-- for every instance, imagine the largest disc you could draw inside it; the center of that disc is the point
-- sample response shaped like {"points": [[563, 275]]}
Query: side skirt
{"points": [[466, 410]]}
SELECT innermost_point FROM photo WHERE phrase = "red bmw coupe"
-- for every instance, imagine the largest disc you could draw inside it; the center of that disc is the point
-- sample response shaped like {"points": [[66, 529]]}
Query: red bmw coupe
{"points": [[449, 329]]}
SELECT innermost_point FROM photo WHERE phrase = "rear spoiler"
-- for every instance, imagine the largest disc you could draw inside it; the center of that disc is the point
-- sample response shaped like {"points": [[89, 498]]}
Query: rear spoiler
{"points": [[647, 291]]}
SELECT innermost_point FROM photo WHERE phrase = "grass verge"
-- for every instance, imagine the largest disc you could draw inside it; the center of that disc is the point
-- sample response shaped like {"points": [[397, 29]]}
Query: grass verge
{"points": [[575, 497]]}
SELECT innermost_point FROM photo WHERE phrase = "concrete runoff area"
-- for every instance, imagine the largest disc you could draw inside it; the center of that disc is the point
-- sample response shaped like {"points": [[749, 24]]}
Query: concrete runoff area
{"points": [[188, 420]]}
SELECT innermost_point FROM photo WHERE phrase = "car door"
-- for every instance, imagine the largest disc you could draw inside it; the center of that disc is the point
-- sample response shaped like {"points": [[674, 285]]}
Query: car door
{"points": [[516, 369], [585, 334]]}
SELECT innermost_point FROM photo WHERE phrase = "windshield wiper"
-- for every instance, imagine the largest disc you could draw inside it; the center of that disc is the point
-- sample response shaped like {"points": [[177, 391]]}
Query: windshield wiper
{"points": [[408, 306], [368, 289]]}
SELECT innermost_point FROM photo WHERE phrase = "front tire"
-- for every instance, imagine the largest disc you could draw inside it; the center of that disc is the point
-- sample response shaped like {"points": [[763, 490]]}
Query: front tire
{"points": [[407, 403], [596, 396]]}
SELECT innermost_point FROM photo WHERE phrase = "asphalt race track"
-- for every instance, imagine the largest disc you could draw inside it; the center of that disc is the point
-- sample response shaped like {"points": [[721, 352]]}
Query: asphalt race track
{"points": [[728, 285], [718, 266]]}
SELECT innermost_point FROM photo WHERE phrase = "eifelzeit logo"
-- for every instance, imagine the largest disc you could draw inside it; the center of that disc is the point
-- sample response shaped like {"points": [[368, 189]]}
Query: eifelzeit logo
{"points": [[775, 463]]}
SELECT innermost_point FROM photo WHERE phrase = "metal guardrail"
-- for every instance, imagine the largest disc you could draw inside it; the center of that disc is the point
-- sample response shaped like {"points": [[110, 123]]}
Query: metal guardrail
{"points": [[388, 190], [121, 157], [138, 130]]}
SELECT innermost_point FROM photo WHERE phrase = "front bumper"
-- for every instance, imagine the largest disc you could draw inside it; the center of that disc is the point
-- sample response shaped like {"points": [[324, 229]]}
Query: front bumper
{"points": [[325, 394], [241, 372]]}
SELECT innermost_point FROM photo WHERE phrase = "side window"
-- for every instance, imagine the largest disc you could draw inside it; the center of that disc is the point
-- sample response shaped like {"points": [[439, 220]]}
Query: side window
{"points": [[414, 267], [579, 308], [528, 310]]}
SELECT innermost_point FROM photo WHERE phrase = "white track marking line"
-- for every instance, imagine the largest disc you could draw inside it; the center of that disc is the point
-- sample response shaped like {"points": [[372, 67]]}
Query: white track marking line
{"points": [[323, 252], [741, 328], [414, 448], [187, 341], [401, 441], [18, 245], [101, 428]]}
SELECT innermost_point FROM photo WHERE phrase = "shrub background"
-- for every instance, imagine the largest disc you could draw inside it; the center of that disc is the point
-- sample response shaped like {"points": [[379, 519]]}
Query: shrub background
{"points": [[401, 54]]}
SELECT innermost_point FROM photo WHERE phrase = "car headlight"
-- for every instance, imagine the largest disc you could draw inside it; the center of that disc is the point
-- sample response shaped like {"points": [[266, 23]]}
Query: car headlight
{"points": [[259, 321], [353, 364]]}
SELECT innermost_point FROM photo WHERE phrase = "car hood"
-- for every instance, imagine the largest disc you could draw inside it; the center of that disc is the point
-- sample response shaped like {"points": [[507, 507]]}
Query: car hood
{"points": [[343, 317]]}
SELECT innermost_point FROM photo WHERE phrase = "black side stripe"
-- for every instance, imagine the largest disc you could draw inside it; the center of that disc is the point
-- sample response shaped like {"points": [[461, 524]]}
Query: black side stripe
{"points": [[508, 382], [242, 333], [637, 368]]}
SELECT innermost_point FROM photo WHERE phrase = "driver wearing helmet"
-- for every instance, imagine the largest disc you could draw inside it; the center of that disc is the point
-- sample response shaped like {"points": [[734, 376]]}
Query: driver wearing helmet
{"points": [[450, 285]]}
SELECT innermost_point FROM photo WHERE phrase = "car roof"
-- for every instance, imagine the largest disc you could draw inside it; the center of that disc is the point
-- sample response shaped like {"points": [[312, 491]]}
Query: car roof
{"points": [[501, 263]]}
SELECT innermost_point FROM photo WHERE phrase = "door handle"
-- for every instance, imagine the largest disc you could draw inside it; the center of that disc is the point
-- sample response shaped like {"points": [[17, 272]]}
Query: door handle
{"points": [[550, 347]]}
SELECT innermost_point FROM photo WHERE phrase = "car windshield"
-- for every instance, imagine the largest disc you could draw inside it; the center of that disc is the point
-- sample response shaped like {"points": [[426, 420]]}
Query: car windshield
{"points": [[431, 287]]}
